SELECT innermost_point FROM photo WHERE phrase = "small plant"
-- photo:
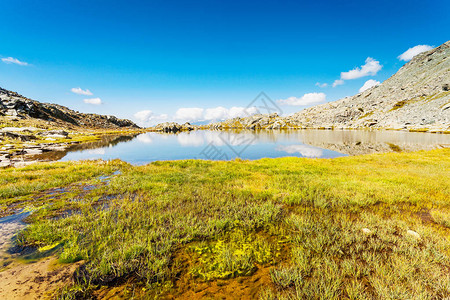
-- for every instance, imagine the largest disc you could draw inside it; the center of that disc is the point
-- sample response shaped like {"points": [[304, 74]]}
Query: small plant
{"points": [[235, 256], [286, 277]]}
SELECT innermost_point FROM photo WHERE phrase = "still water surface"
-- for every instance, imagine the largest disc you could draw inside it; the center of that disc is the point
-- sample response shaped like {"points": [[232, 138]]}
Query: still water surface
{"points": [[224, 145]]}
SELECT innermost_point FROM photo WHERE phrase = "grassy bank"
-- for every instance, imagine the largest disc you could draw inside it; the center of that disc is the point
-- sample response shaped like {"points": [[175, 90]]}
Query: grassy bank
{"points": [[373, 226]]}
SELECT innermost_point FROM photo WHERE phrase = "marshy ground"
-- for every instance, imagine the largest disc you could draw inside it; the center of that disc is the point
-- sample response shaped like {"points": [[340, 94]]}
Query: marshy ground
{"points": [[366, 227]]}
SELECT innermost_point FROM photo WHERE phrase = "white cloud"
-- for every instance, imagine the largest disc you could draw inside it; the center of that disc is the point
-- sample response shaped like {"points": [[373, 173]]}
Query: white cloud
{"points": [[306, 99], [411, 52], [99, 151], [368, 84], [194, 114], [191, 139], [144, 138], [80, 91], [218, 113], [321, 85], [338, 82], [189, 114], [214, 137], [144, 115], [239, 112], [371, 67], [161, 117], [222, 113], [147, 118], [94, 101], [305, 151], [12, 60]]}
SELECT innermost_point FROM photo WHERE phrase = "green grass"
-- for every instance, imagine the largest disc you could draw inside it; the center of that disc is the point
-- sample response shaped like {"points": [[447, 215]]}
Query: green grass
{"points": [[237, 254], [33, 187], [344, 228]]}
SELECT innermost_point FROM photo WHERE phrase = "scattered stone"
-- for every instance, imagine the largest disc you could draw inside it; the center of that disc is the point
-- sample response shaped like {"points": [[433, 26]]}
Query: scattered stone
{"points": [[366, 230], [5, 164], [5, 157], [33, 151], [54, 133], [446, 87], [413, 233], [55, 148], [19, 129]]}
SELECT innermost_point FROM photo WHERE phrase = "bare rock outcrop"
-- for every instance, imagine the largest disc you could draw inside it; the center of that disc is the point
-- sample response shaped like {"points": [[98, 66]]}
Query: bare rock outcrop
{"points": [[17, 106], [174, 127], [417, 97]]}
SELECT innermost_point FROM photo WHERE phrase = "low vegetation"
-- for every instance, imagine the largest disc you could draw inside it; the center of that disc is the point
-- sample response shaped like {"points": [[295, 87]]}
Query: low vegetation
{"points": [[365, 227]]}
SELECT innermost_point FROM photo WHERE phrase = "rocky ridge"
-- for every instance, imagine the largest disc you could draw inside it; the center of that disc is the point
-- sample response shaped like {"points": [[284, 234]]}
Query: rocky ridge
{"points": [[16, 106], [416, 98]]}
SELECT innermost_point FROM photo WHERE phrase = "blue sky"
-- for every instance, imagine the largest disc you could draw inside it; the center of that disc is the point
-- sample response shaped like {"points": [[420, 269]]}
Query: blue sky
{"points": [[160, 56]]}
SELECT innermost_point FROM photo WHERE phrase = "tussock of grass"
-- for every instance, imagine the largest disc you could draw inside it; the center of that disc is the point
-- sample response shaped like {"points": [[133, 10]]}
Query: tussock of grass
{"points": [[441, 217], [332, 258], [319, 207]]}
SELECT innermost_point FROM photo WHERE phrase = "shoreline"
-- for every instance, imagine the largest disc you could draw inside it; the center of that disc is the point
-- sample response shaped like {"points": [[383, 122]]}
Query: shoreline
{"points": [[23, 153], [173, 127], [26, 145]]}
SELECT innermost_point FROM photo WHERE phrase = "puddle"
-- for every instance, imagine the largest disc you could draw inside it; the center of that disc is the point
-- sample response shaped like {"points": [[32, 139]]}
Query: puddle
{"points": [[104, 203], [89, 187], [57, 191], [64, 214], [107, 178], [12, 224], [9, 227], [103, 179]]}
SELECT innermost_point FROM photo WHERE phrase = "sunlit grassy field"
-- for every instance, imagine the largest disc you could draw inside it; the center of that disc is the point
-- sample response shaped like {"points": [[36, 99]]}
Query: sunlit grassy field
{"points": [[365, 227]]}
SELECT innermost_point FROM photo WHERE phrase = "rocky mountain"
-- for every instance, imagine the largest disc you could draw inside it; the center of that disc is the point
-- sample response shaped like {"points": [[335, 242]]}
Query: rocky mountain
{"points": [[15, 106], [417, 97]]}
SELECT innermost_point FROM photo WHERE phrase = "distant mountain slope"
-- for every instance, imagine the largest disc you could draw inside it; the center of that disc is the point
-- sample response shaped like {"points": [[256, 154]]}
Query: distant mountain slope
{"points": [[417, 97], [18, 106]]}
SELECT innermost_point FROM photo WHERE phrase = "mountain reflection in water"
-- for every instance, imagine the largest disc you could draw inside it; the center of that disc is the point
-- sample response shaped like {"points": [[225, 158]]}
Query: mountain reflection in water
{"points": [[247, 144]]}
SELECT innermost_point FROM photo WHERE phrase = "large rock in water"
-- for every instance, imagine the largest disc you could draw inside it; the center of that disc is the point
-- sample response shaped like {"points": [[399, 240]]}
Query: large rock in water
{"points": [[173, 127], [15, 105]]}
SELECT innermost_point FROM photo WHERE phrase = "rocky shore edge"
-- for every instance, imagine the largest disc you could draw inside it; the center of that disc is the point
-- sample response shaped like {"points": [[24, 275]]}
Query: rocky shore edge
{"points": [[31, 142]]}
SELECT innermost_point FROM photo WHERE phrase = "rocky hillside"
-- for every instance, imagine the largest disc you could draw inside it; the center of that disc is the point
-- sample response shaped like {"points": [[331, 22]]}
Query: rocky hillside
{"points": [[417, 97], [14, 106]]}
